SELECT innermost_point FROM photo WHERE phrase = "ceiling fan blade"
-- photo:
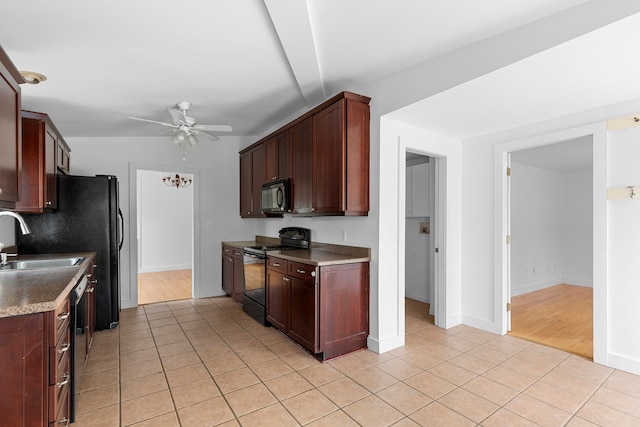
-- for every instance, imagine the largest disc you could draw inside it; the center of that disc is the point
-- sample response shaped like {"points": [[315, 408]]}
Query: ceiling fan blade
{"points": [[153, 121], [214, 128], [205, 134], [177, 115]]}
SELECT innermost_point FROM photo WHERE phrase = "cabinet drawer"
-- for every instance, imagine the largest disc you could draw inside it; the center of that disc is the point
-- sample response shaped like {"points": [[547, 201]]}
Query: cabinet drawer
{"points": [[238, 253], [277, 264], [59, 392], [61, 320], [58, 358], [227, 250], [63, 412], [302, 271]]}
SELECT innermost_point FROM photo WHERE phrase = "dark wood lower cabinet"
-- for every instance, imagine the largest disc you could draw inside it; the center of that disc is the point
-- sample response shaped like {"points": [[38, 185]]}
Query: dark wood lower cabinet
{"points": [[232, 272], [325, 309]]}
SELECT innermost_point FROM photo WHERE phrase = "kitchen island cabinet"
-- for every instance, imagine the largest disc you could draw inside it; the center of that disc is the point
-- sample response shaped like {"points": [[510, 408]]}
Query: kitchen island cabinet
{"points": [[36, 354], [10, 132], [323, 308]]}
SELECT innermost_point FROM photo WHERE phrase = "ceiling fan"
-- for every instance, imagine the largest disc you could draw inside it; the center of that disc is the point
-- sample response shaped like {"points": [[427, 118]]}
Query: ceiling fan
{"points": [[185, 128]]}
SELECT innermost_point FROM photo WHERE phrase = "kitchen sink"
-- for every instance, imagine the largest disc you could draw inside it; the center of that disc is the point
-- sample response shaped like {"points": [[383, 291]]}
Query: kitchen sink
{"points": [[29, 264]]}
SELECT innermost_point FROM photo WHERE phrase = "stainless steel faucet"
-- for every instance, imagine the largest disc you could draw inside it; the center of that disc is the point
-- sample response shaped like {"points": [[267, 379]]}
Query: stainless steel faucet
{"points": [[24, 228]]}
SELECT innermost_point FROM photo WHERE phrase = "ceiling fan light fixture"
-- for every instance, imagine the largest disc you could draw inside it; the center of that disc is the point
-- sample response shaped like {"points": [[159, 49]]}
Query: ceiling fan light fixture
{"points": [[32, 77], [179, 137], [192, 140]]}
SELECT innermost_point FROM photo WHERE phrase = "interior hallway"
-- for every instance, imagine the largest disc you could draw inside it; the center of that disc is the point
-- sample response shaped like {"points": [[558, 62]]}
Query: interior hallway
{"points": [[204, 362]]}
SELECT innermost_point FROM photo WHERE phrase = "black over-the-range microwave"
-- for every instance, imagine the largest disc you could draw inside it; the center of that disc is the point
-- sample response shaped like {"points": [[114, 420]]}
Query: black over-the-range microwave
{"points": [[275, 196]]}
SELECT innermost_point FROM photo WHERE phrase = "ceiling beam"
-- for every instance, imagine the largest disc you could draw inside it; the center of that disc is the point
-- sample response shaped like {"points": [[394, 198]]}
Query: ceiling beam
{"points": [[293, 27]]}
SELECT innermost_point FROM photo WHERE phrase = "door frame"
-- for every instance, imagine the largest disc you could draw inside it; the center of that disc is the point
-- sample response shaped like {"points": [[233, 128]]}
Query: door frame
{"points": [[438, 231], [133, 225], [501, 227]]}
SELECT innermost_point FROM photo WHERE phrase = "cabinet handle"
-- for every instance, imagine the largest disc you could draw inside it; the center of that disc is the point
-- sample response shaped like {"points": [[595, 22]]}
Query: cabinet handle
{"points": [[286, 279], [301, 271], [48, 203], [313, 209], [229, 259], [0, 191], [65, 379], [91, 289], [63, 316], [64, 347], [313, 274], [276, 264], [64, 421]]}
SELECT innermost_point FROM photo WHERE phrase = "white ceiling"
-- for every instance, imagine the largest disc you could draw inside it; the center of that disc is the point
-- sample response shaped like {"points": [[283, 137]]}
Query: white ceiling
{"points": [[252, 63]]}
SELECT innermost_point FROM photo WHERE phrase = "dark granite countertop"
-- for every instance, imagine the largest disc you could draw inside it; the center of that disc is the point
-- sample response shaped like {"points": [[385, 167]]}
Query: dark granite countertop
{"points": [[42, 289], [319, 254]]}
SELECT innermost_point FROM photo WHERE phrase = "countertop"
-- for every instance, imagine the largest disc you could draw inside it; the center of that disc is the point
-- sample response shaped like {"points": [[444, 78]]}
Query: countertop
{"points": [[319, 254], [42, 289]]}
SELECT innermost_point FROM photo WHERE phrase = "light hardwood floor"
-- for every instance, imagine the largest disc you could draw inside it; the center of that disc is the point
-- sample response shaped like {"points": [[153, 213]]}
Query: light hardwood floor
{"points": [[164, 286], [559, 316]]}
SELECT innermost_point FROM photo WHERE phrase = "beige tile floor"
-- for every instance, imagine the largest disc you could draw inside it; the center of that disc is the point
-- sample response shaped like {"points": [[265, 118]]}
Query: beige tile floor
{"points": [[204, 363]]}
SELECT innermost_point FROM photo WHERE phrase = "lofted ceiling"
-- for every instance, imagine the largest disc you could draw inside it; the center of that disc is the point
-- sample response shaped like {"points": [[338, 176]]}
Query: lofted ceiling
{"points": [[252, 63]]}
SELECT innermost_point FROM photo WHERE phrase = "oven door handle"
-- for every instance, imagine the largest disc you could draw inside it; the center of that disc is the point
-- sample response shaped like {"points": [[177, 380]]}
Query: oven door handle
{"points": [[254, 256]]}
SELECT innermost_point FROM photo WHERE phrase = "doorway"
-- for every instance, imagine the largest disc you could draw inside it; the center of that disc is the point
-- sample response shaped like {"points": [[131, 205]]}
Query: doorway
{"points": [[551, 250], [164, 236], [190, 210], [419, 246], [598, 135]]}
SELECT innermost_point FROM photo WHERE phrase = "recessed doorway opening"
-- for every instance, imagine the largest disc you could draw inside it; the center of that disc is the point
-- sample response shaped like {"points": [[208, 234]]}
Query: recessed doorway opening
{"points": [[164, 237]]}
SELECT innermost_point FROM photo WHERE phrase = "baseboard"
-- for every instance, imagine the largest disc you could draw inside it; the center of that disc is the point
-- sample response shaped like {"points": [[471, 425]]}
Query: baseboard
{"points": [[534, 287], [382, 346], [164, 268], [483, 324], [578, 282], [417, 297], [624, 363]]}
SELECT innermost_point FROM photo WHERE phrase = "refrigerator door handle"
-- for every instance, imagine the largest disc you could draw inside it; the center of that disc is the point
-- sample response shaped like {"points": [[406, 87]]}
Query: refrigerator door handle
{"points": [[121, 229]]}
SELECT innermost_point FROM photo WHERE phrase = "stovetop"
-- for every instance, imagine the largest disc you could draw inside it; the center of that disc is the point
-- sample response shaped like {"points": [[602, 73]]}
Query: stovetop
{"points": [[290, 238]]}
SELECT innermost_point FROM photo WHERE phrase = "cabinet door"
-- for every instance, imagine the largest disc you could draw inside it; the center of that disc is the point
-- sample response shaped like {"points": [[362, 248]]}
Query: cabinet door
{"points": [[227, 274], [277, 299], [329, 166], [10, 134], [50, 190], [419, 190], [271, 163], [238, 279], [246, 185], [258, 177], [301, 140], [22, 365], [277, 164], [304, 313]]}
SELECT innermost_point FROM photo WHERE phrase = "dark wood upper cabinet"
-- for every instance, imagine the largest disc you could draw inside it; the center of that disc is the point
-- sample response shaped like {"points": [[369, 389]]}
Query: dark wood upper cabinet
{"points": [[40, 146], [301, 149], [325, 152], [10, 132], [278, 162], [252, 176]]}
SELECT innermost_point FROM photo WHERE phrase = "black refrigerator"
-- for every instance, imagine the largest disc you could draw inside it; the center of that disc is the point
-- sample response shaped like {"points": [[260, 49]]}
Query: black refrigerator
{"points": [[88, 219]]}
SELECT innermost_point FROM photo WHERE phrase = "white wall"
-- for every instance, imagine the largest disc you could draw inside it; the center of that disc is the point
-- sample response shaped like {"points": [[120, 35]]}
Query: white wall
{"points": [[165, 225], [536, 228], [218, 167], [417, 264], [624, 250], [577, 228], [551, 228]]}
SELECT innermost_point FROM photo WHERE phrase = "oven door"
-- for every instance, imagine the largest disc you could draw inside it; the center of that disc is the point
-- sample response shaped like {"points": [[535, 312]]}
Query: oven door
{"points": [[253, 300]]}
